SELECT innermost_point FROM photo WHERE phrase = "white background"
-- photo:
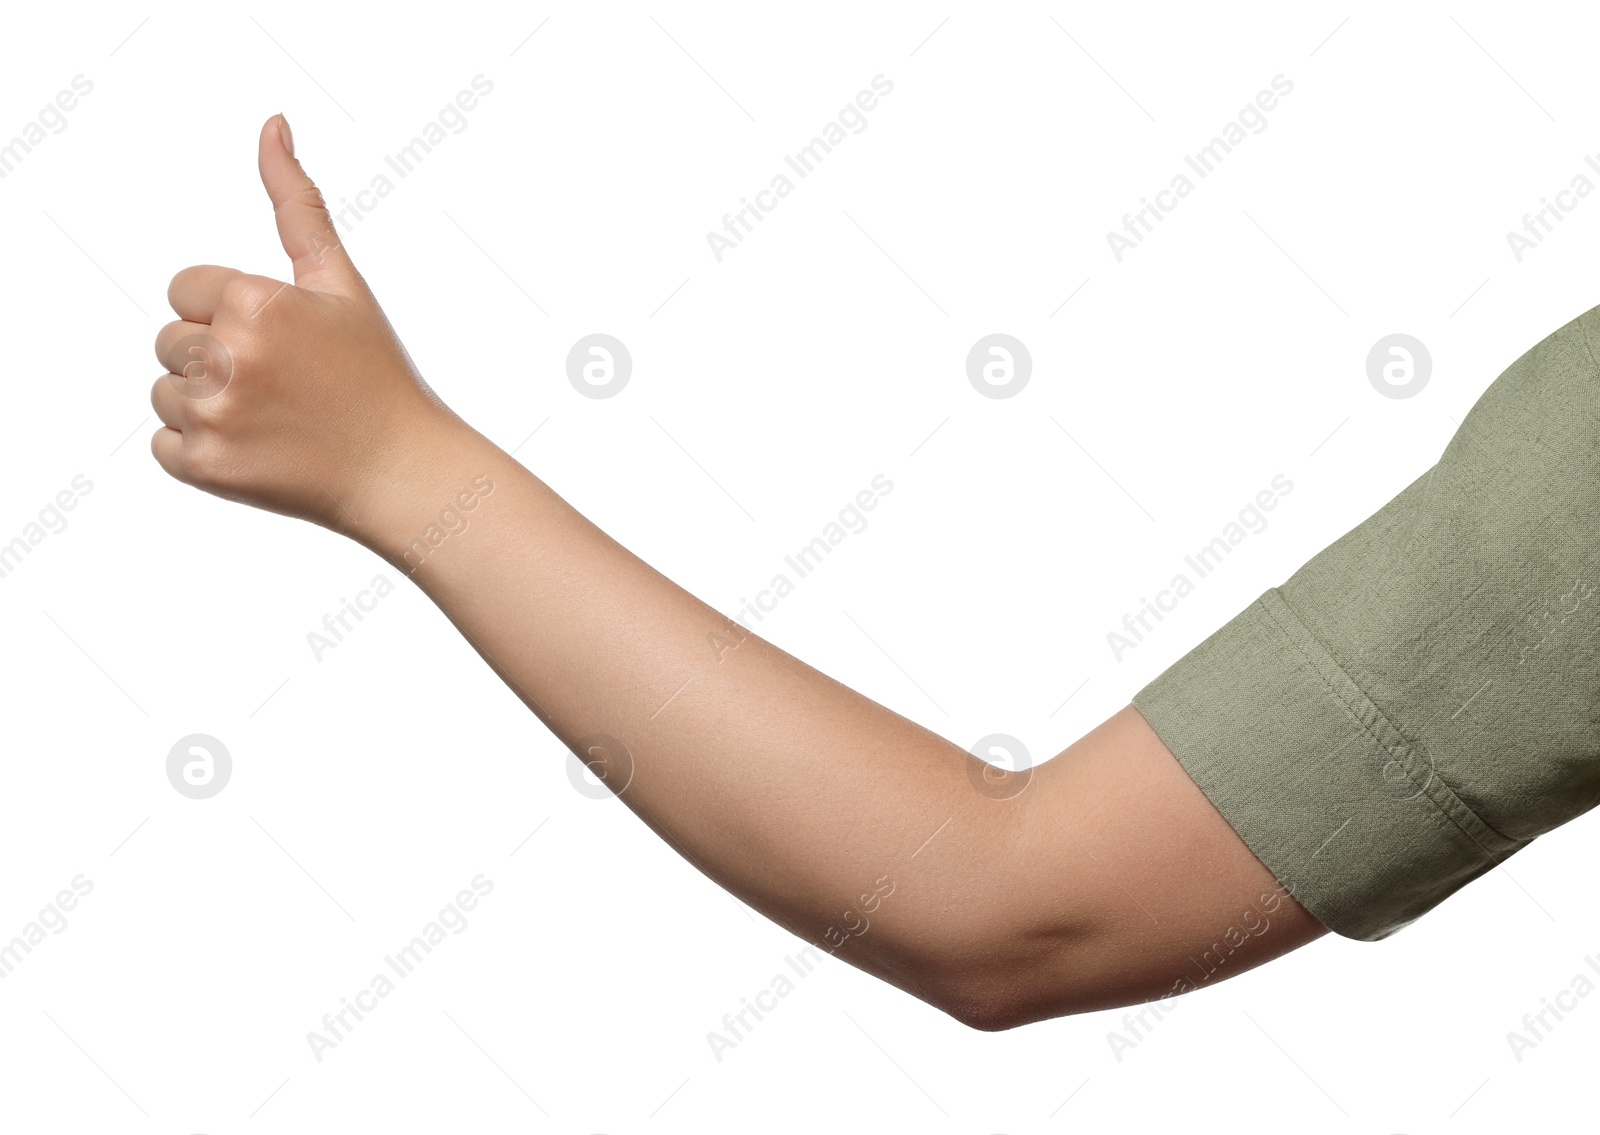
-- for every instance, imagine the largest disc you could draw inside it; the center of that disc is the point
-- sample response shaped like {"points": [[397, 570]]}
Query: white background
{"points": [[768, 389]]}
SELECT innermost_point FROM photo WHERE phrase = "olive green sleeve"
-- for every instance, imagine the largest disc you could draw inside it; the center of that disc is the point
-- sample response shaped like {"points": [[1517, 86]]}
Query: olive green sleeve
{"points": [[1422, 697]]}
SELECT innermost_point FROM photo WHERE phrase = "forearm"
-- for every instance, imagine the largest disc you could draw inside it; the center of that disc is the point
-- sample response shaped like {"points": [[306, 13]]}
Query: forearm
{"points": [[838, 818]]}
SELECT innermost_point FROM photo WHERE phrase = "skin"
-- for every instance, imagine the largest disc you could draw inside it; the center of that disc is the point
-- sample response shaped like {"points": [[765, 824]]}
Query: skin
{"points": [[1102, 879]]}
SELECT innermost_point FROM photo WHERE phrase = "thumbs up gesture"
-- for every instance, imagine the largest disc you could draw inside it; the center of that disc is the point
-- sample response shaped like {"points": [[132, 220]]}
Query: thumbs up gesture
{"points": [[297, 398]]}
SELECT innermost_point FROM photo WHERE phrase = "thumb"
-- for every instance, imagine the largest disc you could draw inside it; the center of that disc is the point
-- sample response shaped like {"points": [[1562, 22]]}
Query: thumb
{"points": [[304, 225]]}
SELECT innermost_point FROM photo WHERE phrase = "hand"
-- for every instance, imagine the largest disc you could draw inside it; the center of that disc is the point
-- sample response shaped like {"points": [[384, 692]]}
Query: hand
{"points": [[296, 398]]}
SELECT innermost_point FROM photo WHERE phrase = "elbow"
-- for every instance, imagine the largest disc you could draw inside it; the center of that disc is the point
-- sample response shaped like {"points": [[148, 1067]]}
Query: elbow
{"points": [[1002, 977], [985, 1014], [990, 996]]}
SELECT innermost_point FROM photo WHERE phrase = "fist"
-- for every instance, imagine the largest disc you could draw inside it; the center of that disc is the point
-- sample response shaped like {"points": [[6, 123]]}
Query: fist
{"points": [[297, 398]]}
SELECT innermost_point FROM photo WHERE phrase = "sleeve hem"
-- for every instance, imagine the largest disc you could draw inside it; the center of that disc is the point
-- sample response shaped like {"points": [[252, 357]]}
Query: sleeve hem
{"points": [[1343, 805]]}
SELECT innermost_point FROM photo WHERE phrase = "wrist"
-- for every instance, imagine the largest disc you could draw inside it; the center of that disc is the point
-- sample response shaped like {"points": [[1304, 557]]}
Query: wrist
{"points": [[427, 492]]}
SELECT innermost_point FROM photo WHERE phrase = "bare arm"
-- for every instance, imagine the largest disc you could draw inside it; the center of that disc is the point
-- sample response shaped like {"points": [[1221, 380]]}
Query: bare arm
{"points": [[1088, 888], [1107, 880]]}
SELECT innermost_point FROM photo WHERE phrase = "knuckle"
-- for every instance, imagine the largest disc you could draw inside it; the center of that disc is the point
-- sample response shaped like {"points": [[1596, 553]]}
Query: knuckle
{"points": [[309, 195], [182, 276], [199, 364], [209, 414], [170, 333], [204, 460], [242, 294]]}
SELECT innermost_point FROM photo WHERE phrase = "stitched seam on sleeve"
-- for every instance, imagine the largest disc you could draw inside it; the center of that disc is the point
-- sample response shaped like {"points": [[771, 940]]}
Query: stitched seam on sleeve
{"points": [[1361, 708]]}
